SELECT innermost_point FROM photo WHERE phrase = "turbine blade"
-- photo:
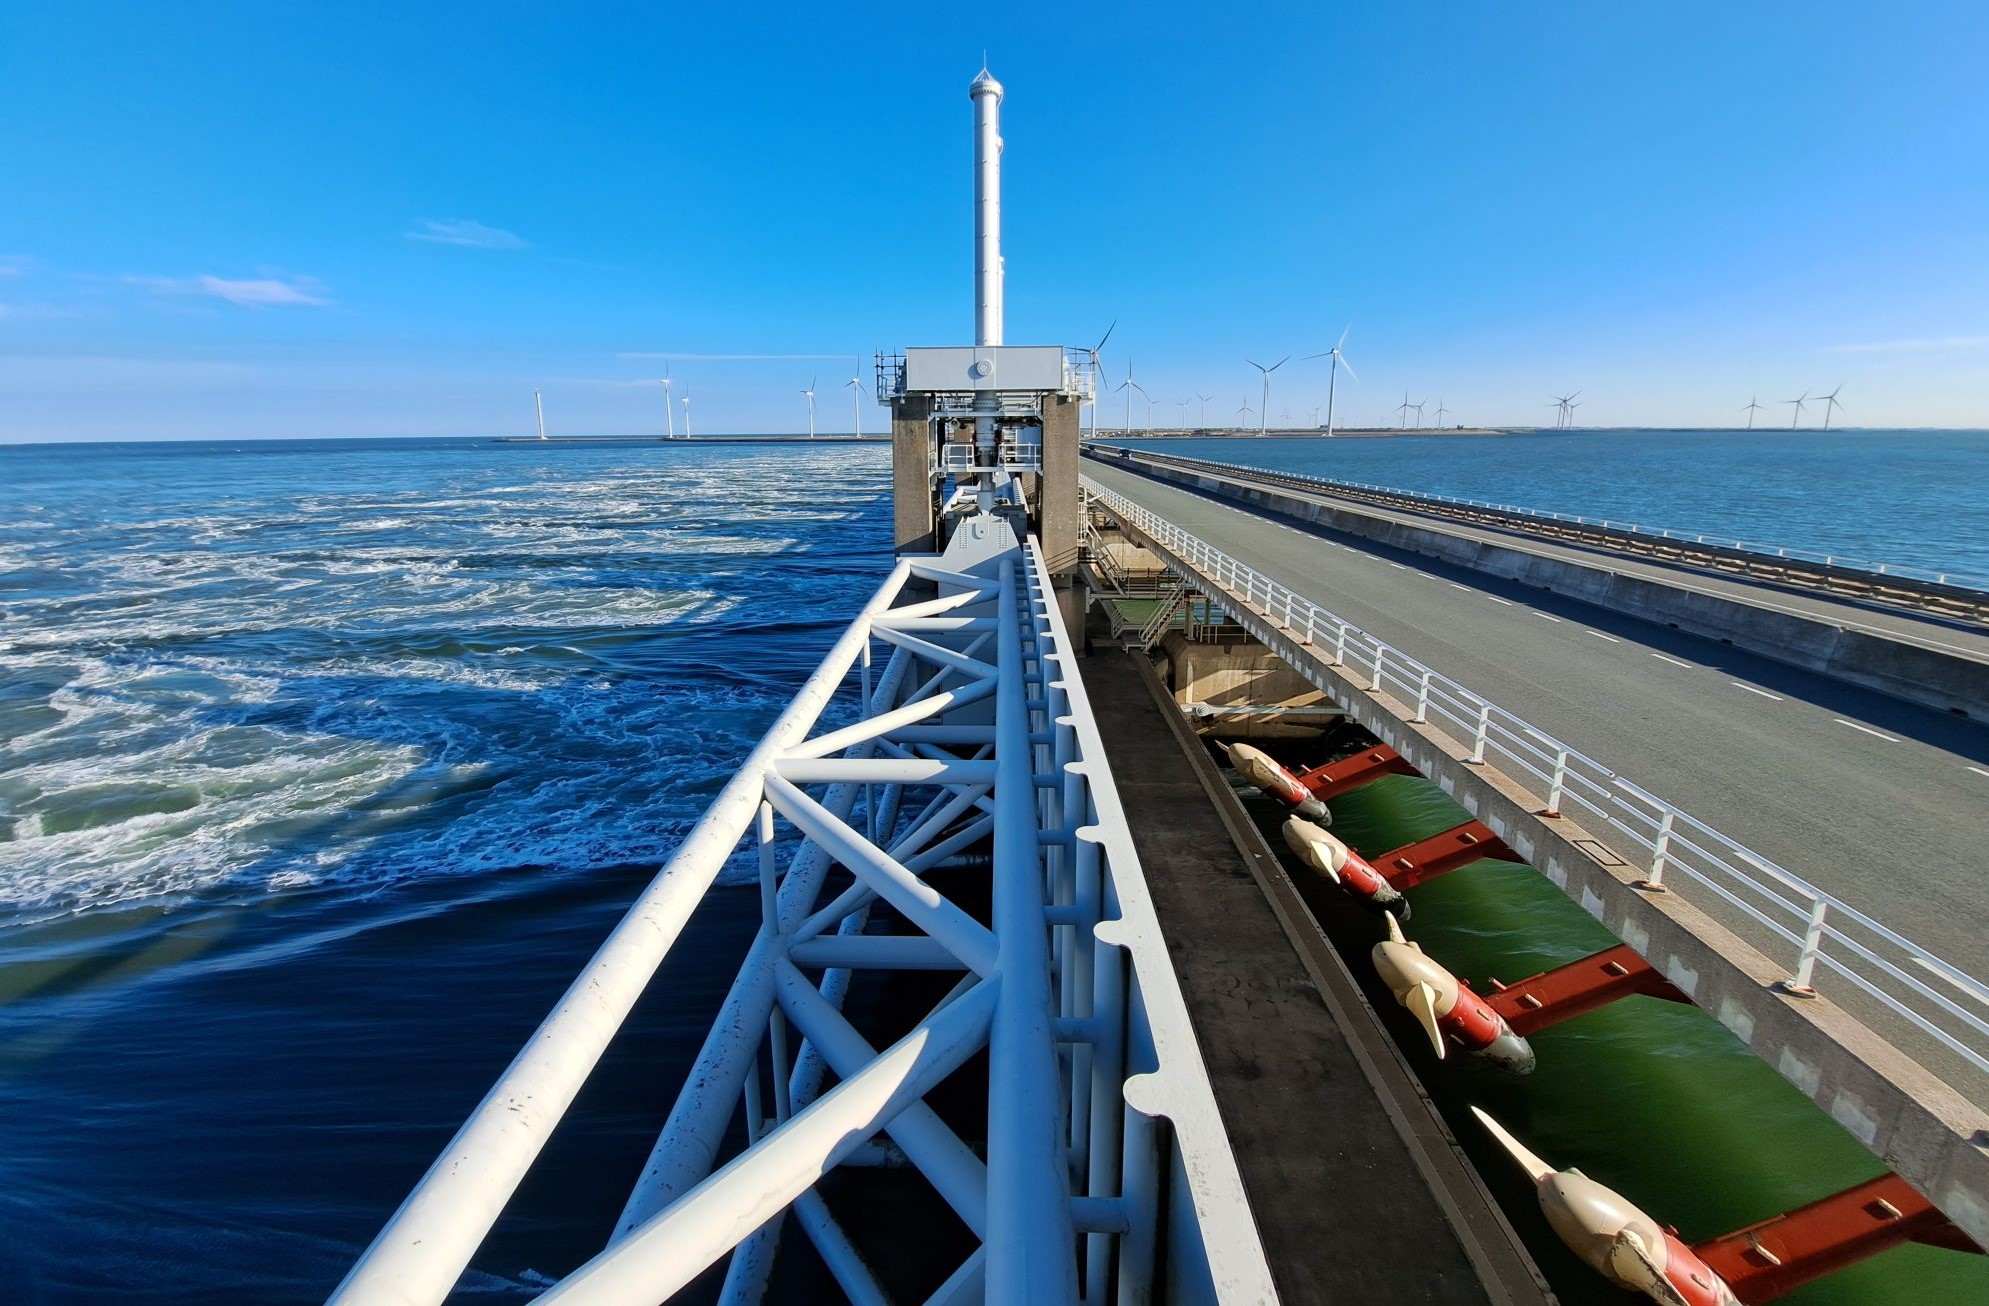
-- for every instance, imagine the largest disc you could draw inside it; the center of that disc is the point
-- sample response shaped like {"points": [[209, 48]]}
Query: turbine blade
{"points": [[1349, 366], [1536, 1169], [1280, 363], [1107, 336], [1421, 1000], [1343, 336]]}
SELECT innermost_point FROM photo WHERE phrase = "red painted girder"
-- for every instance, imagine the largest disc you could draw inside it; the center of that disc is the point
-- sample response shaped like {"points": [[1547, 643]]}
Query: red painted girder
{"points": [[1774, 1258], [1335, 778], [1577, 988], [1410, 865]]}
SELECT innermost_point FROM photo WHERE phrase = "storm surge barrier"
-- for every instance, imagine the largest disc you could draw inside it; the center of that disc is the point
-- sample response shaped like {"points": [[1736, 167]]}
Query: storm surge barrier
{"points": [[1618, 849], [969, 760]]}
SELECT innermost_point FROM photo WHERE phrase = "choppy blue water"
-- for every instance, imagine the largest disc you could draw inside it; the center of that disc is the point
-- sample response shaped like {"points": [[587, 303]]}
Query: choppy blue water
{"points": [[1916, 498], [322, 768]]}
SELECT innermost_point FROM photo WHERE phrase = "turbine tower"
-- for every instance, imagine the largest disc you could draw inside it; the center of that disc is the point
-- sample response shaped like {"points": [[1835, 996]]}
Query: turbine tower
{"points": [[687, 414], [1264, 416], [1798, 414], [1333, 374], [669, 412], [1205, 408], [855, 387], [1751, 408], [1098, 373], [1440, 411], [539, 409], [1243, 415], [1128, 386], [809, 394], [1830, 402], [1403, 408]]}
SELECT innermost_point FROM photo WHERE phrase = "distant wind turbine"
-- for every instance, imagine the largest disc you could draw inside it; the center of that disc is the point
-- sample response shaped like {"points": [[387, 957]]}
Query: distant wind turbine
{"points": [[1184, 410], [1403, 408], [809, 393], [1128, 386], [687, 414], [1205, 408], [1314, 410], [1419, 414], [1797, 415], [1829, 402], [1440, 411], [1098, 373], [1333, 373], [855, 387], [669, 412], [1264, 416], [539, 409], [1244, 413], [1751, 409]]}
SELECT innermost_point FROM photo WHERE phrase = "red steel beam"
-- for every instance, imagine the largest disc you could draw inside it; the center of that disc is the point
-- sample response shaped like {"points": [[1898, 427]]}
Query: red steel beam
{"points": [[1577, 988], [1336, 778], [1774, 1258], [1412, 864]]}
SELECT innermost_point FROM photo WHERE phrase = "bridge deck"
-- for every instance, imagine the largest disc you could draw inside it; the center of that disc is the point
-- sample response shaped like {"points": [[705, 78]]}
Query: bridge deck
{"points": [[1957, 637], [1877, 801]]}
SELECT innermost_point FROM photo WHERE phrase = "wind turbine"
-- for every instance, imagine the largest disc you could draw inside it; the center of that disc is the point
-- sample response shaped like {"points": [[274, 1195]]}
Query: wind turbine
{"points": [[1419, 414], [669, 413], [1128, 385], [1333, 374], [1440, 411], [1572, 405], [540, 409], [1149, 406], [1560, 406], [1314, 410], [1244, 414], [687, 414], [1264, 416], [1205, 408], [1403, 408], [1751, 409], [855, 387], [1184, 410], [1798, 402], [1829, 402], [1097, 371], [810, 395]]}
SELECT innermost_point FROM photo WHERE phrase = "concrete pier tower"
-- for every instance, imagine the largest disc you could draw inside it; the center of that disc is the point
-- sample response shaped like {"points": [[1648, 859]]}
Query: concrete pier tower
{"points": [[988, 427]]}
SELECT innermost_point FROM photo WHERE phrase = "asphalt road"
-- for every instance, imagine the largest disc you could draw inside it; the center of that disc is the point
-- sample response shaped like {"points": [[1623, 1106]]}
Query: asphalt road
{"points": [[1879, 802], [1963, 638]]}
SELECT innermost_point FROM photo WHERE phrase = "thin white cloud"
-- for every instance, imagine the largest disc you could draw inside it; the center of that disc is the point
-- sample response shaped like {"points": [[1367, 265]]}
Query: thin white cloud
{"points": [[1933, 345], [252, 292], [732, 358], [13, 265], [468, 233]]}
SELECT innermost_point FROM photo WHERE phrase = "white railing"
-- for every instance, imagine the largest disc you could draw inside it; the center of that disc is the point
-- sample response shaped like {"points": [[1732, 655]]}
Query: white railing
{"points": [[1821, 929], [1902, 571], [976, 738], [963, 458]]}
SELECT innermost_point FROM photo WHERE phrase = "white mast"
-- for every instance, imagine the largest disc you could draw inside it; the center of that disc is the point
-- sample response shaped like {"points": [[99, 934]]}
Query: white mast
{"points": [[986, 94], [540, 409]]}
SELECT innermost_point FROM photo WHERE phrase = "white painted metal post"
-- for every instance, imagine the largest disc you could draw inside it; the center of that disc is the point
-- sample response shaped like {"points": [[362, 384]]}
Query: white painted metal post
{"points": [[1812, 947], [1559, 785], [1422, 702], [1660, 850], [1484, 733]]}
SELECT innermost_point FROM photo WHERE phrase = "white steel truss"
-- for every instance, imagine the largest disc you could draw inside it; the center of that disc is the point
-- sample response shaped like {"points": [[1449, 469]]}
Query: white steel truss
{"points": [[1105, 1174]]}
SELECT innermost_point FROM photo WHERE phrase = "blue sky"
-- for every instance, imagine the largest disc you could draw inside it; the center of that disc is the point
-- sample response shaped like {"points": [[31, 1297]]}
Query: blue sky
{"points": [[238, 220]]}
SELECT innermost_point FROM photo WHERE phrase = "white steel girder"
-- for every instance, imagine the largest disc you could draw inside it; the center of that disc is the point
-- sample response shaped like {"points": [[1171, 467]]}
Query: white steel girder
{"points": [[1103, 1146]]}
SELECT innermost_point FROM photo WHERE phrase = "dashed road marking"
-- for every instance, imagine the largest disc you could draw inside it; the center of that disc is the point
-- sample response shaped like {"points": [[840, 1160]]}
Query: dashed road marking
{"points": [[1496, 599], [1877, 734], [1544, 617], [1466, 588], [1398, 566], [1674, 661], [1752, 690], [1978, 770], [1599, 635]]}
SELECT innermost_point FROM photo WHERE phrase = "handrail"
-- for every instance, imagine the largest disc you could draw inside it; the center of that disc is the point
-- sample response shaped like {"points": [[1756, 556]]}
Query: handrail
{"points": [[1620, 533], [1671, 842]]}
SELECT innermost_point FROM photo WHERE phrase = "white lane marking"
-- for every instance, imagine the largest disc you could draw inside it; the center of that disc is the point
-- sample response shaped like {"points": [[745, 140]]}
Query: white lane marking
{"points": [[1599, 635], [1496, 599], [1466, 588], [1398, 566], [1947, 975], [1978, 770], [1544, 617], [1752, 690], [1878, 734], [1674, 661]]}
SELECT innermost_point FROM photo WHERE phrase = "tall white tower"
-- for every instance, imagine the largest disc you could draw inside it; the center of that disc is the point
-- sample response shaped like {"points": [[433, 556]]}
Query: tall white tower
{"points": [[986, 93]]}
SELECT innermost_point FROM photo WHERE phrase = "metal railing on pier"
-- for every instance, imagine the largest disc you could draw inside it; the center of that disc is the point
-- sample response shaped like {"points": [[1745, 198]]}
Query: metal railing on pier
{"points": [[1813, 932], [1105, 1164], [1943, 592]]}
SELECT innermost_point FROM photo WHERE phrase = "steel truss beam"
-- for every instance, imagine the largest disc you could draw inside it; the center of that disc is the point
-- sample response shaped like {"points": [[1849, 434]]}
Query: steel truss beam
{"points": [[972, 752]]}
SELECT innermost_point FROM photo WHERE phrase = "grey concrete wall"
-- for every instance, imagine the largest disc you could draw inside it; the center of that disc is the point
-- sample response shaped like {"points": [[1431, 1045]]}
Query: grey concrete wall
{"points": [[1058, 527], [1948, 682], [911, 476], [1923, 1129]]}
